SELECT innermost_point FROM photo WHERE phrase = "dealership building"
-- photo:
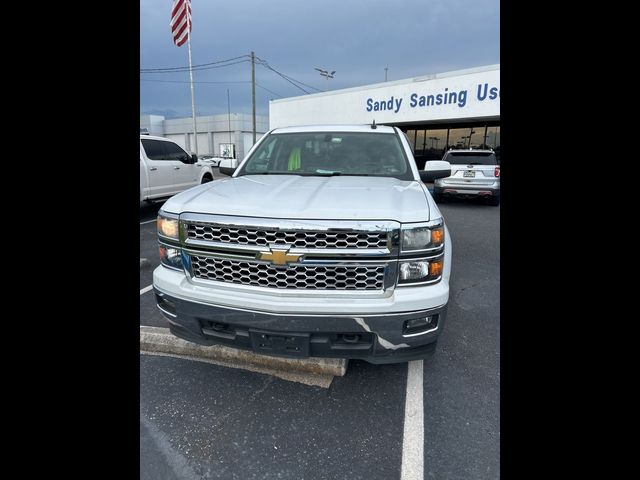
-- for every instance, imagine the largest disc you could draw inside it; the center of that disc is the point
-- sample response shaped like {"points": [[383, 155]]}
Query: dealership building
{"points": [[222, 135], [459, 109]]}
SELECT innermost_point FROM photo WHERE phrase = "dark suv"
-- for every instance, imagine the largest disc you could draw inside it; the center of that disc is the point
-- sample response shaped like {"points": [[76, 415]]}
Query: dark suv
{"points": [[474, 173]]}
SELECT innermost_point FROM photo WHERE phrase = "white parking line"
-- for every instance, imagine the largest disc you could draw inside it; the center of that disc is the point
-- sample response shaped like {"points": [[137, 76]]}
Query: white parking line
{"points": [[146, 289], [147, 221], [413, 436]]}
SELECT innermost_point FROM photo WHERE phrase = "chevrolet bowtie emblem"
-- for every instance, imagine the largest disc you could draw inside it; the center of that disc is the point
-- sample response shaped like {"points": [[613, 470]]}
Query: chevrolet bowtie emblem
{"points": [[279, 256]]}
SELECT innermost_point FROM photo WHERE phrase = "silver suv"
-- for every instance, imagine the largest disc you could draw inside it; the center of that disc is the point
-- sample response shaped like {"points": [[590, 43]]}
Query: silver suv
{"points": [[474, 173]]}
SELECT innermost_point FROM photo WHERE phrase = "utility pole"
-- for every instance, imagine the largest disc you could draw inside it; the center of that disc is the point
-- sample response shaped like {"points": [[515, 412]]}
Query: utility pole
{"points": [[229, 115], [253, 92]]}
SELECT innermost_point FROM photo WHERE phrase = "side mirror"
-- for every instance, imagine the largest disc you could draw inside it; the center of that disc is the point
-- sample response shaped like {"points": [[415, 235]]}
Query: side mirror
{"points": [[228, 166], [188, 158], [435, 169]]}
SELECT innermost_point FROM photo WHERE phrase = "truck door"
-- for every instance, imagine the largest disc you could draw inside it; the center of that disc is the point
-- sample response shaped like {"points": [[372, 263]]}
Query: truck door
{"points": [[185, 175], [159, 168]]}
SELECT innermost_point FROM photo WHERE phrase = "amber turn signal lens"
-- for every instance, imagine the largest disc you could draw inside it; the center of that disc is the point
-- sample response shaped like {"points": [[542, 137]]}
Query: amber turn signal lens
{"points": [[437, 236], [435, 267]]}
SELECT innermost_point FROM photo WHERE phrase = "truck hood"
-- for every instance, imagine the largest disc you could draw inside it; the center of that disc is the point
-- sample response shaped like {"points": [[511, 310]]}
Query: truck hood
{"points": [[300, 197]]}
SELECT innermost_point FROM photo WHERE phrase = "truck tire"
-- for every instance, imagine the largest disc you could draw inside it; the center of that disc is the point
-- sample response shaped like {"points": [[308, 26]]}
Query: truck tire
{"points": [[207, 178], [494, 200]]}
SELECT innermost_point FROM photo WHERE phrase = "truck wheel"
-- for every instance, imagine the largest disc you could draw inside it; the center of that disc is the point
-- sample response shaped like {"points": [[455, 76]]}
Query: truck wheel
{"points": [[206, 178], [436, 197], [494, 200]]}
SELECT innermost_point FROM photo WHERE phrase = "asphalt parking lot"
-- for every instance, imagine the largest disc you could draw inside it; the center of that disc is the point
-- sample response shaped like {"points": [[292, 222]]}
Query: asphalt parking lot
{"points": [[199, 420]]}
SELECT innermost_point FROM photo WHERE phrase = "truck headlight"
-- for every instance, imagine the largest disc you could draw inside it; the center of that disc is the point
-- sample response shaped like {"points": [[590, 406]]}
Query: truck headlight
{"points": [[170, 257], [422, 238], [419, 271], [168, 227]]}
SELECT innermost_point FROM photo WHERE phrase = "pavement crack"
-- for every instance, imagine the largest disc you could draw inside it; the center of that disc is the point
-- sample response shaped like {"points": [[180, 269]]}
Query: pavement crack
{"points": [[466, 288], [268, 381]]}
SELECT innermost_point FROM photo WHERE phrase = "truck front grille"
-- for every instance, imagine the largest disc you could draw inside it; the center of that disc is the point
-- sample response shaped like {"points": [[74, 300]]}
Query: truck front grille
{"points": [[313, 277], [298, 239]]}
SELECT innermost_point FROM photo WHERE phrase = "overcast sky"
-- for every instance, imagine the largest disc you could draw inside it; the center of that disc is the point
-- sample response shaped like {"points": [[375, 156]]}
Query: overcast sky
{"points": [[356, 38]]}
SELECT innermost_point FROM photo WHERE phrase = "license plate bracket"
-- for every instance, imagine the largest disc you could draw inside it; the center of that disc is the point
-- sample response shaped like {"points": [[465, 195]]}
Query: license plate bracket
{"points": [[287, 344], [469, 173]]}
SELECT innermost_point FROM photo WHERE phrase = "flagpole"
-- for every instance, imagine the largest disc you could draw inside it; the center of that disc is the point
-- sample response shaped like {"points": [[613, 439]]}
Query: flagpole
{"points": [[193, 101]]}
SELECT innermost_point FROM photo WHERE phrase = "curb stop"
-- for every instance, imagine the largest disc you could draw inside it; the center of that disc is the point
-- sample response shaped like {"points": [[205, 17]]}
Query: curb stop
{"points": [[310, 371]]}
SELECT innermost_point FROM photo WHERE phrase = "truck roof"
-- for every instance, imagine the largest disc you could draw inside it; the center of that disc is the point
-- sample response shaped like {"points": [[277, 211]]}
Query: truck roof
{"points": [[472, 150], [153, 137], [335, 128]]}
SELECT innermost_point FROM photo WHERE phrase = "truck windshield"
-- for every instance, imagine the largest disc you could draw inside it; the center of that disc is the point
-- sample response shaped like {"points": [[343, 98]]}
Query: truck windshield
{"points": [[329, 154], [471, 158]]}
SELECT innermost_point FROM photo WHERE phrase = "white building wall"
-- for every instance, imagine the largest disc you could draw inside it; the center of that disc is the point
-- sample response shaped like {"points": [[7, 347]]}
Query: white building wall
{"points": [[212, 131], [179, 138]]}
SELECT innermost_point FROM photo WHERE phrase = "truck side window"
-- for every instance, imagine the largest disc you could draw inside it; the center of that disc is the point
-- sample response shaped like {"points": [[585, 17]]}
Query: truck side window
{"points": [[154, 149], [174, 152]]}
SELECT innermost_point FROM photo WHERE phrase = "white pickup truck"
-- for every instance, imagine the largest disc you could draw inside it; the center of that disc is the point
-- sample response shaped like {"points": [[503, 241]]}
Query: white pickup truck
{"points": [[166, 169], [324, 242]]}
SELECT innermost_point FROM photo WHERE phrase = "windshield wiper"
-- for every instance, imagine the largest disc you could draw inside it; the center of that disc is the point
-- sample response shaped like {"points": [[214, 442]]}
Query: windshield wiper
{"points": [[360, 175]]}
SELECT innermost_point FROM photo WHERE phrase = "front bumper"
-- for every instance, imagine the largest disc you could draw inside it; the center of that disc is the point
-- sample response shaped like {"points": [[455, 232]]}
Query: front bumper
{"points": [[376, 338]]}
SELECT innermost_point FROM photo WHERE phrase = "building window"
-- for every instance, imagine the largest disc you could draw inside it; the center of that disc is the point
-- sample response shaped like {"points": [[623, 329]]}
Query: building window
{"points": [[420, 142], [493, 140], [466, 137], [436, 141]]}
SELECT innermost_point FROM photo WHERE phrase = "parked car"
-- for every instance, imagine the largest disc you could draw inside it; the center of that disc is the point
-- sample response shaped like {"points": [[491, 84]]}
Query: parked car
{"points": [[211, 160], [166, 169], [474, 173], [324, 242]]}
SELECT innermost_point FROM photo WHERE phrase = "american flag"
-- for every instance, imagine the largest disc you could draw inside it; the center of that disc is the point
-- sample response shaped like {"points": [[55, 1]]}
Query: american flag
{"points": [[180, 21]]}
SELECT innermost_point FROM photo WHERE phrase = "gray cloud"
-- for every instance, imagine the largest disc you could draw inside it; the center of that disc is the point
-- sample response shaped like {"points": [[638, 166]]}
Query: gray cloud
{"points": [[357, 38]]}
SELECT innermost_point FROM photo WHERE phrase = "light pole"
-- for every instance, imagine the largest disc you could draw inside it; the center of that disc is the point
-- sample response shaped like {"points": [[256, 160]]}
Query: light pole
{"points": [[385, 73], [472, 132], [432, 139], [326, 74]]}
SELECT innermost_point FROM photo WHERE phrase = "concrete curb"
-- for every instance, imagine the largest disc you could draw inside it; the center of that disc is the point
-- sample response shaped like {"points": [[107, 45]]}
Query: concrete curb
{"points": [[161, 341]]}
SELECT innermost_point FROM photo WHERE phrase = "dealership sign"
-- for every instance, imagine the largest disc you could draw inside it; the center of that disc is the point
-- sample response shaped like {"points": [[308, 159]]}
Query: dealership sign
{"points": [[465, 94], [459, 98]]}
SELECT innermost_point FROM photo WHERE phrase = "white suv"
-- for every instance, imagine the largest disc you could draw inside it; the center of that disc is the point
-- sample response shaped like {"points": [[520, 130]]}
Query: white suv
{"points": [[166, 169], [474, 173]]}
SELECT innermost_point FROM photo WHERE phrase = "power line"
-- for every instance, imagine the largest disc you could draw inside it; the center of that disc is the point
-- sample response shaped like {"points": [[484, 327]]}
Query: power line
{"points": [[198, 69], [264, 88], [289, 79], [149, 70], [226, 63], [181, 81], [283, 76]]}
